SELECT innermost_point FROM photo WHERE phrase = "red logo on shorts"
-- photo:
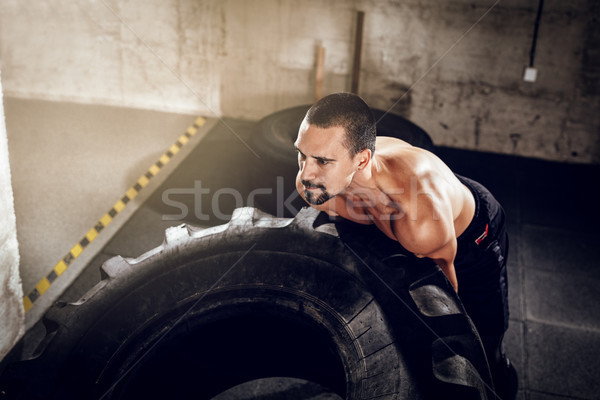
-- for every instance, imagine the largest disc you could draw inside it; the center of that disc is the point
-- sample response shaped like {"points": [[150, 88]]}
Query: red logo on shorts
{"points": [[483, 235]]}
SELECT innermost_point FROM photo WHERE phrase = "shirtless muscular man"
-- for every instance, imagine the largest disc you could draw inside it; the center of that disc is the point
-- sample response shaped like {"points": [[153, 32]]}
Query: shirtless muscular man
{"points": [[415, 199]]}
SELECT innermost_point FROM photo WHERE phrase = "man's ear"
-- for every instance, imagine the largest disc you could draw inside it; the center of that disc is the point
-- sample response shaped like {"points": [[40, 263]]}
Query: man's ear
{"points": [[363, 158]]}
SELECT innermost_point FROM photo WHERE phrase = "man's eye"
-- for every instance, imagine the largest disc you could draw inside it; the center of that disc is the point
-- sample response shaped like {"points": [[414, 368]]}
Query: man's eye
{"points": [[323, 162]]}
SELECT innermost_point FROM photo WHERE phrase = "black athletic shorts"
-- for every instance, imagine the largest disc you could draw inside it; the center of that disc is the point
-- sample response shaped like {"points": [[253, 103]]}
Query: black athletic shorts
{"points": [[480, 263]]}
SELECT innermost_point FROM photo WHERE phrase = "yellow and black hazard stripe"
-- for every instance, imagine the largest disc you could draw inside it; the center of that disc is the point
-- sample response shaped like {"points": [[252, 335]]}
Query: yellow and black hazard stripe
{"points": [[106, 219]]}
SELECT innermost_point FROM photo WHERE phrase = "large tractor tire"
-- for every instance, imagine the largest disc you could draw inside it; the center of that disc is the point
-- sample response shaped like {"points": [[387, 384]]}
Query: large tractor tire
{"points": [[273, 141], [335, 304]]}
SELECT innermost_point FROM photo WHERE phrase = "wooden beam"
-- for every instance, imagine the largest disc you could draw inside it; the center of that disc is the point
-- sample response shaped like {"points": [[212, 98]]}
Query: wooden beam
{"points": [[360, 19], [319, 72]]}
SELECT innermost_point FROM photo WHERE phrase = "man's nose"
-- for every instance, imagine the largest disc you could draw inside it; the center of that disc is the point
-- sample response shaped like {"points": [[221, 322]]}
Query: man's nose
{"points": [[308, 170]]}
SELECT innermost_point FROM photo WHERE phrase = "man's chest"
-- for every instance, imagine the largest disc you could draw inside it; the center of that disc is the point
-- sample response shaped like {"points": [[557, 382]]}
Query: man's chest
{"points": [[381, 212]]}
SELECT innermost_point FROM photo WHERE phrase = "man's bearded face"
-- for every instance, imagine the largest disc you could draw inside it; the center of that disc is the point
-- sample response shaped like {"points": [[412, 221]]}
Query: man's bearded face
{"points": [[315, 194]]}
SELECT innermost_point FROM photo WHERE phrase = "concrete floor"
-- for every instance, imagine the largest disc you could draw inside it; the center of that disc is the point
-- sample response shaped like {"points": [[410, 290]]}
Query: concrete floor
{"points": [[70, 163], [554, 278], [554, 275]]}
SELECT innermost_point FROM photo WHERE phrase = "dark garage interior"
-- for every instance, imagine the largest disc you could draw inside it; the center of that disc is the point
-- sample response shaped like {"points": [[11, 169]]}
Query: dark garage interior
{"points": [[126, 119]]}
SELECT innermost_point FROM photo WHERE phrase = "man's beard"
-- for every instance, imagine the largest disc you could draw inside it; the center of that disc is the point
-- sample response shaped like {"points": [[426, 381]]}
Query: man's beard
{"points": [[315, 199]]}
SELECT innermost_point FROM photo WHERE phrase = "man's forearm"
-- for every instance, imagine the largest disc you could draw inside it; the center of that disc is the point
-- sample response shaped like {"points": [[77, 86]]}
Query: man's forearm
{"points": [[444, 258], [448, 270]]}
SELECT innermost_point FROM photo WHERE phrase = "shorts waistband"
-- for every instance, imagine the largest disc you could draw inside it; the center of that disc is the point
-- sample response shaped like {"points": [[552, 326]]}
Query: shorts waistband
{"points": [[479, 217]]}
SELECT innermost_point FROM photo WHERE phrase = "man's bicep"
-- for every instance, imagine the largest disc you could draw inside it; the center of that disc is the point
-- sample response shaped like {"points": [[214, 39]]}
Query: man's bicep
{"points": [[427, 224], [445, 253], [423, 239], [439, 246]]}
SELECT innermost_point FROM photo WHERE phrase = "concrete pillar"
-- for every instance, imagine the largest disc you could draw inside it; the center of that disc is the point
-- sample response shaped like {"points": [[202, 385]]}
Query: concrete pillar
{"points": [[12, 316]]}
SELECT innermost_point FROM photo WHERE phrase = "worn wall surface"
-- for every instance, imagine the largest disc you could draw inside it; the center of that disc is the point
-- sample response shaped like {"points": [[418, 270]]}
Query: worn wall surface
{"points": [[462, 61], [11, 293]]}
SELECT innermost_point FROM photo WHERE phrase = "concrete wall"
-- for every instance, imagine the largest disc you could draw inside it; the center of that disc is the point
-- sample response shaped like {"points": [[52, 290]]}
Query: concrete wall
{"points": [[247, 58], [11, 294]]}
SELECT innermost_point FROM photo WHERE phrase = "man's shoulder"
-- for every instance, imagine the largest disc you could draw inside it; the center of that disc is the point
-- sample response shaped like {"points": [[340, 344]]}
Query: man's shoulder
{"points": [[400, 166]]}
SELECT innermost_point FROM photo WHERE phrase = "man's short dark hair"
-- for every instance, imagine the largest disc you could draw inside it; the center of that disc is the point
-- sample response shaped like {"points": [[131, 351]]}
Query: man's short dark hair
{"points": [[350, 112]]}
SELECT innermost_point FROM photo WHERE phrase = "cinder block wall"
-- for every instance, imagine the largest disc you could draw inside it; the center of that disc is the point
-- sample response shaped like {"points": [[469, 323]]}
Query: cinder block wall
{"points": [[11, 293], [249, 58]]}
